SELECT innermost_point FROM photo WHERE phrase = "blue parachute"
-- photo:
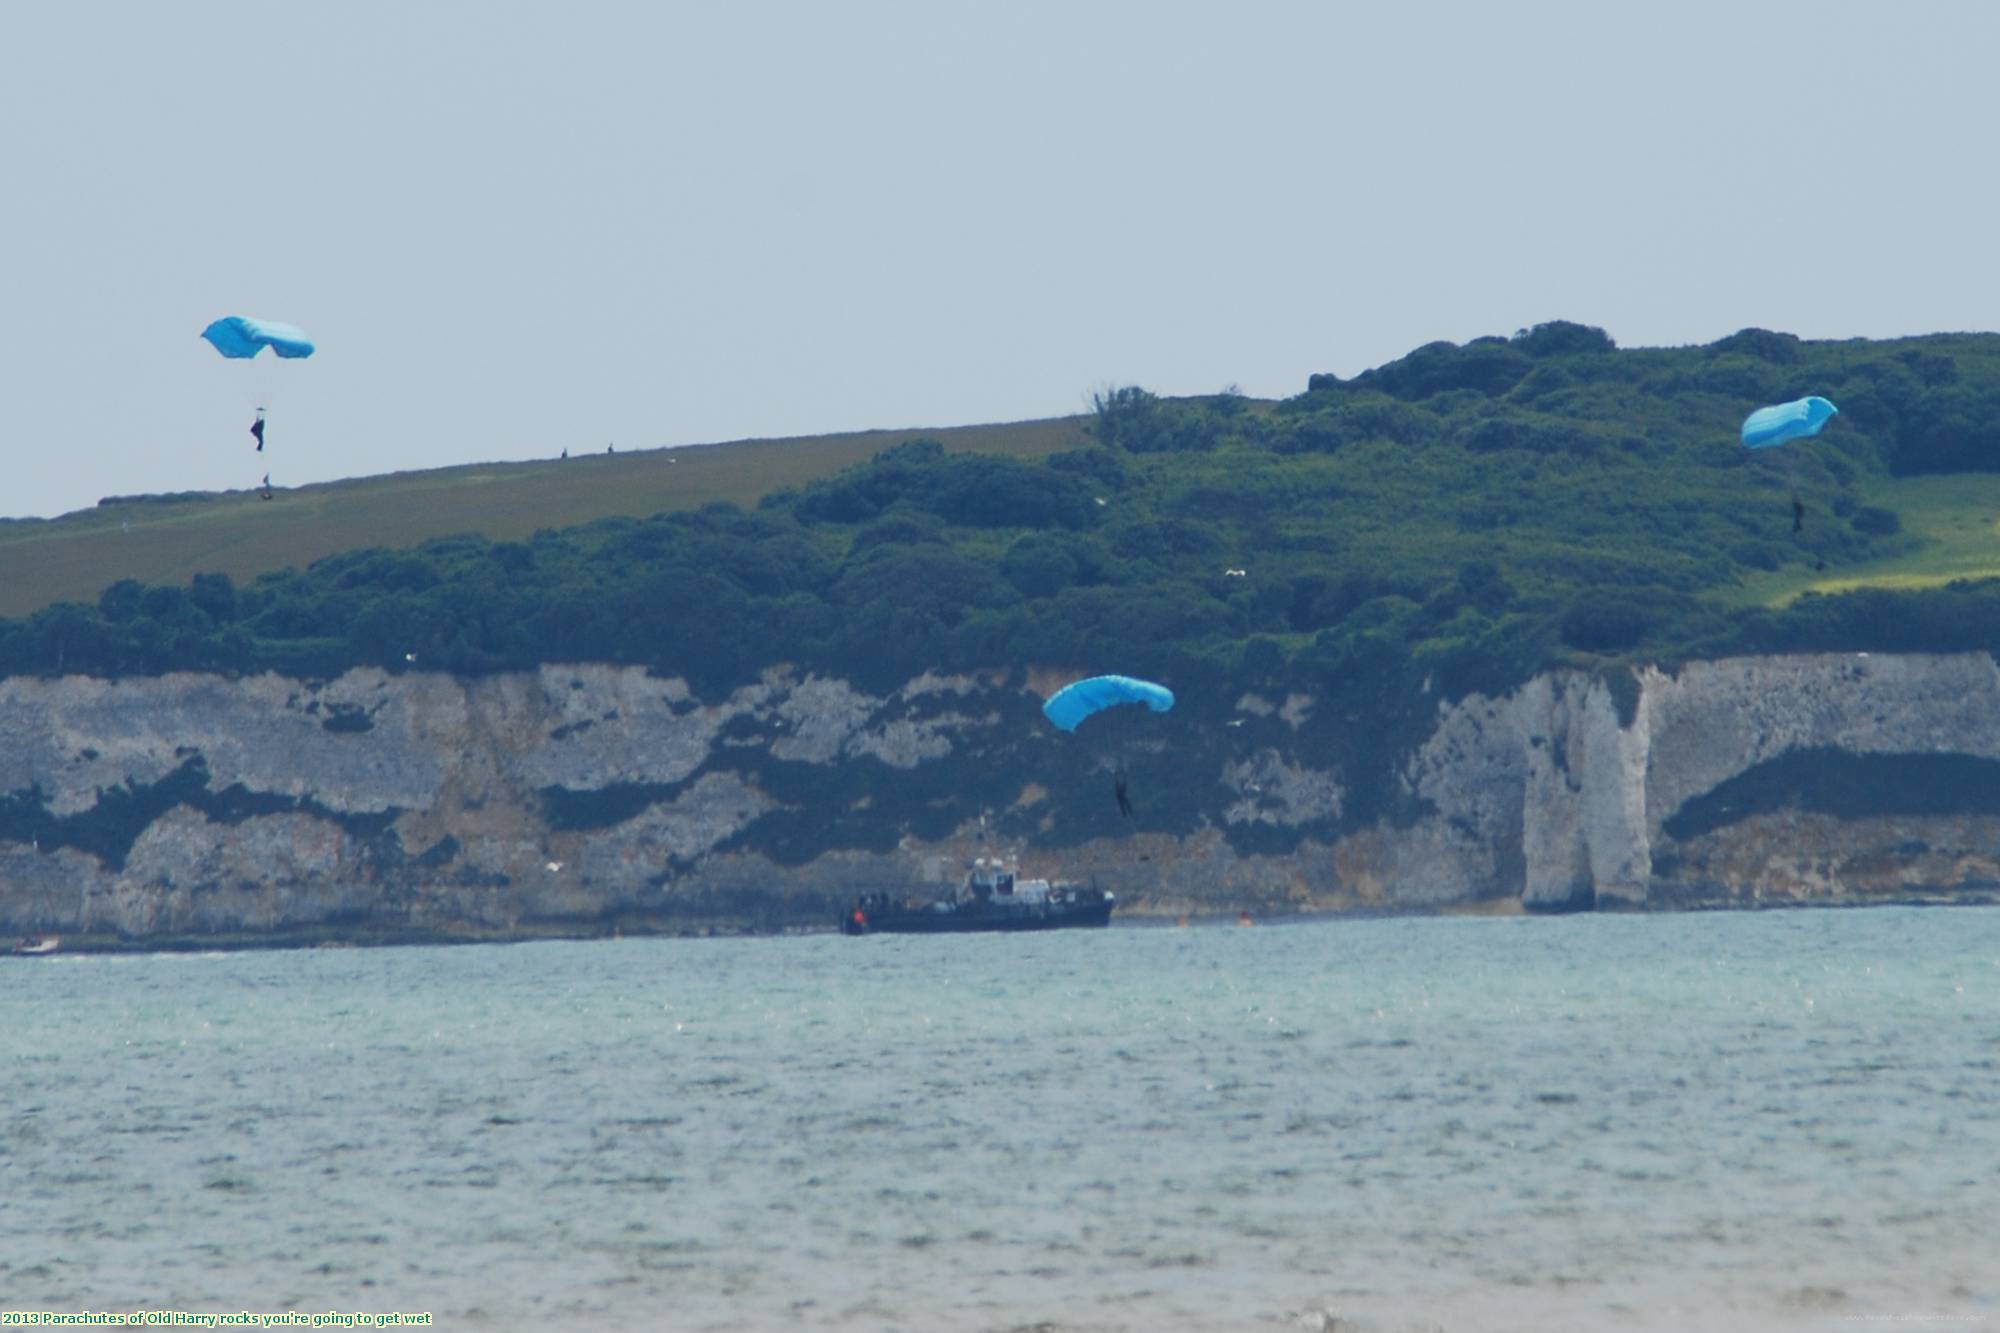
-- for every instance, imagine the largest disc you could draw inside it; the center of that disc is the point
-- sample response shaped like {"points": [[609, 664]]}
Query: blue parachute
{"points": [[1769, 426], [237, 338], [1074, 703]]}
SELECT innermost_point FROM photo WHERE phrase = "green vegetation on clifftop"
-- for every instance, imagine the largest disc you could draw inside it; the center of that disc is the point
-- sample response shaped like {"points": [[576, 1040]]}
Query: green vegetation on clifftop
{"points": [[1452, 521]]}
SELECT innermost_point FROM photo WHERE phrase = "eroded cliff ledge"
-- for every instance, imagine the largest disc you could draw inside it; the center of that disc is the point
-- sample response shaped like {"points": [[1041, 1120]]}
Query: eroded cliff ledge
{"points": [[588, 798]]}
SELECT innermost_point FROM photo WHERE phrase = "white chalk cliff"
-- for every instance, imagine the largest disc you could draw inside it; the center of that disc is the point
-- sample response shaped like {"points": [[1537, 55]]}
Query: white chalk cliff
{"points": [[589, 797]]}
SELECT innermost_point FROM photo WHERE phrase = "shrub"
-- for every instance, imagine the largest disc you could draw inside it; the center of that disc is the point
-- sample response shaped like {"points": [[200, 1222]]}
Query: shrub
{"points": [[1598, 626], [1780, 348], [1488, 367], [1876, 521], [1038, 566], [1560, 337]]}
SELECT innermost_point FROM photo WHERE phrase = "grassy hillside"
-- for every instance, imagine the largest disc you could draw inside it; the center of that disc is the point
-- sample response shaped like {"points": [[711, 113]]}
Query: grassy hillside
{"points": [[1953, 525], [1451, 522], [170, 539]]}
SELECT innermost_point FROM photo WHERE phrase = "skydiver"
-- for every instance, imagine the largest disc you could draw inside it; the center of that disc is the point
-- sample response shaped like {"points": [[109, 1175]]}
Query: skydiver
{"points": [[565, 452], [265, 493], [257, 429], [1798, 514], [1118, 789]]}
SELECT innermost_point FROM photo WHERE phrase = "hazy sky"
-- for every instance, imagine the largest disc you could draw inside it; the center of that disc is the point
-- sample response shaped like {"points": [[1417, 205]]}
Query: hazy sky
{"points": [[515, 228]]}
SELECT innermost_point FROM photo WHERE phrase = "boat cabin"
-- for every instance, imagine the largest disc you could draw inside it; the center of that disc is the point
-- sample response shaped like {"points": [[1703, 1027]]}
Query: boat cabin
{"points": [[992, 880]]}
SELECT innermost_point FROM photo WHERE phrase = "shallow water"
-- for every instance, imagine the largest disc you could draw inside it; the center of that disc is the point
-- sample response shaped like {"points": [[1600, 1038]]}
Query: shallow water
{"points": [[1711, 1121]]}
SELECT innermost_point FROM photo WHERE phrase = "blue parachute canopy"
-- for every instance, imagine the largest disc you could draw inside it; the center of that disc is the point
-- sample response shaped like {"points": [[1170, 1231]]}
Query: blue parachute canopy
{"points": [[1073, 703], [239, 337], [1768, 426]]}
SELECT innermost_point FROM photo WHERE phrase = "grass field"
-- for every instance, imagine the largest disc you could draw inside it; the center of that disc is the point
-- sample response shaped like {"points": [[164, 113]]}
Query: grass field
{"points": [[1952, 520], [77, 556]]}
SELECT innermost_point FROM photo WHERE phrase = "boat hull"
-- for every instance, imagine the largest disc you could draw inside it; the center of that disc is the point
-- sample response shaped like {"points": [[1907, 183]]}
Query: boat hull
{"points": [[968, 918]]}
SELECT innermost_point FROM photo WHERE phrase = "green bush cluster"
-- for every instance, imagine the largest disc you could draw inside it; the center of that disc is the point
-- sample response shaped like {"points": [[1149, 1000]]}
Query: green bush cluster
{"points": [[1452, 521]]}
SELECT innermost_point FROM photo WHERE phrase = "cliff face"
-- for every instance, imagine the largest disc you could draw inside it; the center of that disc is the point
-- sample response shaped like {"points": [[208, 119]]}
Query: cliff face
{"points": [[585, 797], [1830, 776]]}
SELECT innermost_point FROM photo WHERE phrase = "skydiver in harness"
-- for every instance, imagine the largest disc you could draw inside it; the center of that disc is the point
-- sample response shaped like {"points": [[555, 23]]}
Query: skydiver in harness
{"points": [[257, 429], [1118, 788]]}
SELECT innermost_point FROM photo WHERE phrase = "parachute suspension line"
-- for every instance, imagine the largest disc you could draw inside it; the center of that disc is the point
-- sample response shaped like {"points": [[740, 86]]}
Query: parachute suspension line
{"points": [[1798, 498], [1074, 704], [241, 339], [1769, 427]]}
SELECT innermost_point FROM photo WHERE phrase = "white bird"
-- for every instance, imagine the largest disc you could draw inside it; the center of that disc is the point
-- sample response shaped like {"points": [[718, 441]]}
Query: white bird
{"points": [[554, 866]]}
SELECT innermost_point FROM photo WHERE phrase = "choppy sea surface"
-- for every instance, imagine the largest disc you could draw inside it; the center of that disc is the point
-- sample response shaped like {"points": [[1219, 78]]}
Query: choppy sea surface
{"points": [[1726, 1121]]}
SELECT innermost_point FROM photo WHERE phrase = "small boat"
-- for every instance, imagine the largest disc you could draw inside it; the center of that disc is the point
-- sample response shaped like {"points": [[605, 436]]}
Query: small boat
{"points": [[34, 944], [993, 898]]}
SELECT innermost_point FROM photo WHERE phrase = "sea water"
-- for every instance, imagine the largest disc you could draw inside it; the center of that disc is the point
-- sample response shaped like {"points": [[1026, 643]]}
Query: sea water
{"points": [[1727, 1121]]}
